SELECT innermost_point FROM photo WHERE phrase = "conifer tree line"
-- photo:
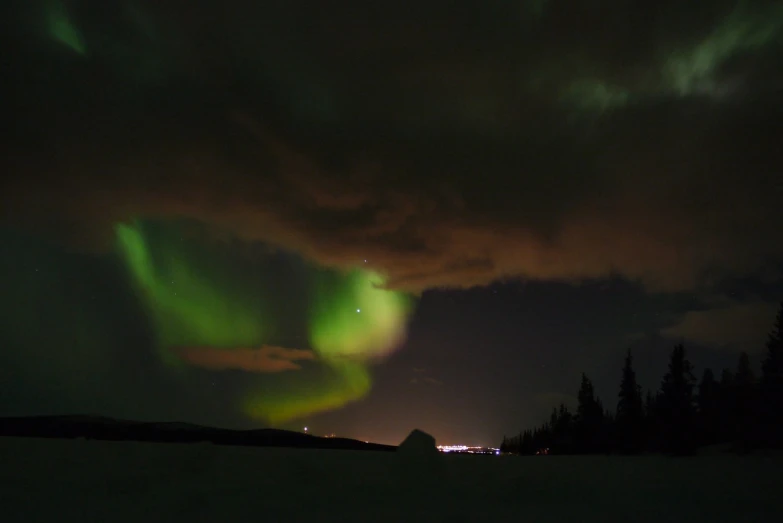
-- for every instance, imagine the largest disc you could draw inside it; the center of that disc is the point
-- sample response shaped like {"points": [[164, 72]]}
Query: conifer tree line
{"points": [[737, 409]]}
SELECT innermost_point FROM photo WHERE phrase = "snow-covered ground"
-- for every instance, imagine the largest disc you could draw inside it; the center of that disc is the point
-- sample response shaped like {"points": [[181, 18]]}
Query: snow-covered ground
{"points": [[112, 482]]}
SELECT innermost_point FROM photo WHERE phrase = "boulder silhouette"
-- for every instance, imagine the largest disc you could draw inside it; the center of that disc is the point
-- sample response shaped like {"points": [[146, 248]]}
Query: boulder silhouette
{"points": [[419, 444]]}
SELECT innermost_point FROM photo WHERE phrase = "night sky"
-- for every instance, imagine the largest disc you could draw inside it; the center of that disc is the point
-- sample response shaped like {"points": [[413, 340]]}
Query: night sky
{"points": [[369, 217]]}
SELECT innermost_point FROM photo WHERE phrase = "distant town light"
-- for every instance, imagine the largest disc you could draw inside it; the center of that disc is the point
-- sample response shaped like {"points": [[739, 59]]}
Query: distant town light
{"points": [[465, 449]]}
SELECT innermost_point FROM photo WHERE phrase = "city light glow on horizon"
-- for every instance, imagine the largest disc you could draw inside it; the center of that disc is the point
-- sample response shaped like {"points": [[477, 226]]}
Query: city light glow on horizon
{"points": [[465, 449]]}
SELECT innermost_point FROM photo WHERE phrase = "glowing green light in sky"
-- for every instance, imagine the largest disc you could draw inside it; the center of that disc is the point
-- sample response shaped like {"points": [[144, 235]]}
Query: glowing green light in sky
{"points": [[336, 386], [352, 320], [62, 29], [188, 308], [596, 95], [352, 316], [193, 303], [692, 71]]}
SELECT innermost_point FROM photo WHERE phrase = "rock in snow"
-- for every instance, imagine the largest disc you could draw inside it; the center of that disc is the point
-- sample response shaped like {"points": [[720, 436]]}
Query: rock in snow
{"points": [[418, 443]]}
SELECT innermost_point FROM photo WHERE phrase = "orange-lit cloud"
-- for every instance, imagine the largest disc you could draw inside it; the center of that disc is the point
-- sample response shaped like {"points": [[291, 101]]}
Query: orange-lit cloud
{"points": [[265, 359], [515, 154]]}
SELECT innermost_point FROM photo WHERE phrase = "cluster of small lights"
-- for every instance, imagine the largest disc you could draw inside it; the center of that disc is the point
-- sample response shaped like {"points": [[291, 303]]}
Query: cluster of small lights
{"points": [[468, 450]]}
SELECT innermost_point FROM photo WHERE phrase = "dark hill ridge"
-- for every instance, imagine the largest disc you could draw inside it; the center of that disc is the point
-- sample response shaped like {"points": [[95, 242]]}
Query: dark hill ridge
{"points": [[109, 429]]}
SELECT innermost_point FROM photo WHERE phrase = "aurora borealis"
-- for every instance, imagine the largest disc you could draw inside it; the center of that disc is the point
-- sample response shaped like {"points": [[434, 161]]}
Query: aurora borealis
{"points": [[354, 317], [188, 308], [62, 29], [341, 383], [373, 216], [205, 317]]}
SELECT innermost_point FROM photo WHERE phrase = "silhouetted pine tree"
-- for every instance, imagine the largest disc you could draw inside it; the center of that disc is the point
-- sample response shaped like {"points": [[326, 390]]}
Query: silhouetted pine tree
{"points": [[526, 445], [589, 419], [676, 404], [651, 439], [629, 420], [743, 417], [726, 404], [772, 387], [649, 403], [609, 421], [738, 409], [542, 437], [709, 409], [563, 431]]}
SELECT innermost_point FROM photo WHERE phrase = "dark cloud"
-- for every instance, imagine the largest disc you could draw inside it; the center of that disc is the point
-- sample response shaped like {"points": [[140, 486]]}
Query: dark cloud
{"points": [[448, 143]]}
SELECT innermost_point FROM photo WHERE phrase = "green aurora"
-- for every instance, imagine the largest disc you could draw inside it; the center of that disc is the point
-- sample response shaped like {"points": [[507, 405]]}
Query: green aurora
{"points": [[352, 321], [188, 307], [62, 29], [304, 393], [743, 30], [353, 316]]}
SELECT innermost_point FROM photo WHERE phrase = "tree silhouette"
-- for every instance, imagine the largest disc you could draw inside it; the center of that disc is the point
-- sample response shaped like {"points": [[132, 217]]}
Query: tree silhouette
{"points": [[772, 386], [738, 410], [744, 410], [651, 439], [563, 431], [744, 376], [630, 413], [772, 366], [727, 401], [676, 404], [709, 408], [526, 443], [589, 419]]}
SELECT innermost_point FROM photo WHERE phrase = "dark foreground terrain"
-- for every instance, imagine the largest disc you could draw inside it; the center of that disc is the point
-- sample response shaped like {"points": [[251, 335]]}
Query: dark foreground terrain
{"points": [[50, 480], [109, 429]]}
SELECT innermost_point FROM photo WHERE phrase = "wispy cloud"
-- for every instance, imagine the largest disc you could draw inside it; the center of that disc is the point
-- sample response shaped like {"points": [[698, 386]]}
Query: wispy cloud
{"points": [[737, 325], [265, 359], [426, 380]]}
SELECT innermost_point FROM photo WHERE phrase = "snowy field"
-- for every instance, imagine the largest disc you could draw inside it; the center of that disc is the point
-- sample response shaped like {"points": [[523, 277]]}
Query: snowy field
{"points": [[86, 481]]}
